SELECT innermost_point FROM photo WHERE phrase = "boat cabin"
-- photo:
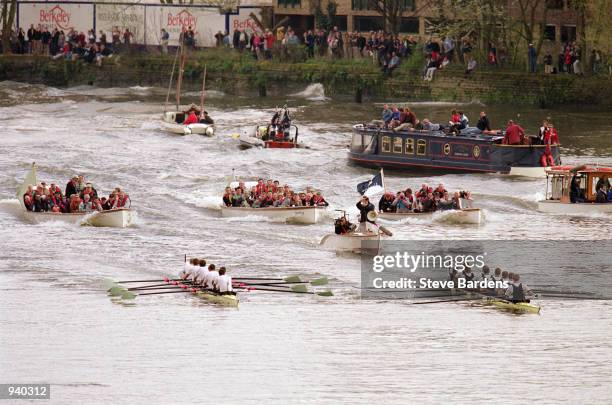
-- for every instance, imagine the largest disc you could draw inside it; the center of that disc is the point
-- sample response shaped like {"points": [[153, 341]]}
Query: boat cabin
{"points": [[559, 182]]}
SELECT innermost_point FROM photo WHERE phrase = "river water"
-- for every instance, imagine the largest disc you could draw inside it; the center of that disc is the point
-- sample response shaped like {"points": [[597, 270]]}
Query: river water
{"points": [[59, 327]]}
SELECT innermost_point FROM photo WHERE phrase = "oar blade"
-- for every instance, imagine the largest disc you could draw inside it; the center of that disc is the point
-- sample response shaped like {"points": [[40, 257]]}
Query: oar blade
{"points": [[116, 291], [108, 283], [128, 295], [320, 281], [300, 288], [326, 293], [293, 279]]}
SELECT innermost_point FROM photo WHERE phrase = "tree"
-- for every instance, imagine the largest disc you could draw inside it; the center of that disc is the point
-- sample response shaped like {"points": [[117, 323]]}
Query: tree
{"points": [[391, 11], [532, 27], [9, 10], [324, 19]]}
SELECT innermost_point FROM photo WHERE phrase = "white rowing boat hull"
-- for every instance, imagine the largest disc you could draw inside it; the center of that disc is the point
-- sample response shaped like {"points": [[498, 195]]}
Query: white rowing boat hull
{"points": [[557, 207], [119, 218], [302, 215], [351, 242], [230, 300], [464, 216]]}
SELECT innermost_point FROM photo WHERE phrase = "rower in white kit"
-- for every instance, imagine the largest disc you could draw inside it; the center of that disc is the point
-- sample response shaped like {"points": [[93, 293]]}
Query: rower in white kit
{"points": [[200, 273], [211, 278], [224, 282], [188, 268]]}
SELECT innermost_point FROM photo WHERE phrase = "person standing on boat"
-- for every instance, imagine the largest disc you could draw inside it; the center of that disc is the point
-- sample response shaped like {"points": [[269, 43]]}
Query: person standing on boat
{"points": [[517, 291], [515, 134], [71, 187], [365, 206], [483, 123]]}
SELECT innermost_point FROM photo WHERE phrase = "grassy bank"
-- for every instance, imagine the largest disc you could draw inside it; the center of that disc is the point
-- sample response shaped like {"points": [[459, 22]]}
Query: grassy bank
{"points": [[236, 73]]}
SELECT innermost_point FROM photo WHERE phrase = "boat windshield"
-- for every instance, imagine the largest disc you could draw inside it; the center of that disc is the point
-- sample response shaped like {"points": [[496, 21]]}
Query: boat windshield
{"points": [[556, 184], [360, 141]]}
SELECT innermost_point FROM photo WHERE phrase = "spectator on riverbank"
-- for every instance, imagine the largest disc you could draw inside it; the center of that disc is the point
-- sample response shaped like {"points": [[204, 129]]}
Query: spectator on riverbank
{"points": [[164, 39], [532, 57]]}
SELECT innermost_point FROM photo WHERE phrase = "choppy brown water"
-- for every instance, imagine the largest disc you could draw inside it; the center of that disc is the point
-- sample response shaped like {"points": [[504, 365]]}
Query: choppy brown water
{"points": [[57, 325]]}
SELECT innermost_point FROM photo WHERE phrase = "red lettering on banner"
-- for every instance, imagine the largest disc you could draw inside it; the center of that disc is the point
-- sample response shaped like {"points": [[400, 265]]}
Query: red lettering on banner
{"points": [[245, 24], [183, 19], [57, 16]]}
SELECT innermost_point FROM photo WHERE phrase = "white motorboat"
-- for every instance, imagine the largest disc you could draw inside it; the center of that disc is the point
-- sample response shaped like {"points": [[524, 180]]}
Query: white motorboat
{"points": [[117, 218], [472, 216], [301, 215], [560, 199], [172, 122]]}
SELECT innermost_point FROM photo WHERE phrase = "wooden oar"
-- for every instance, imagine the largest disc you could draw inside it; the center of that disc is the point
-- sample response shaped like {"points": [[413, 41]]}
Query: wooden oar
{"points": [[316, 282], [298, 289], [439, 301], [290, 279]]}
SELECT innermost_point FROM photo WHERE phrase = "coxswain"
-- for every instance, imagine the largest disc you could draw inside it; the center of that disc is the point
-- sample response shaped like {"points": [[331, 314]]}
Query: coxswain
{"points": [[517, 291], [224, 282], [515, 134]]}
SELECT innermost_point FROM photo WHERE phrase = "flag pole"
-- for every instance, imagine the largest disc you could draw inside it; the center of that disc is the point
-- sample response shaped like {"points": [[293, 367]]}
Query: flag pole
{"points": [[382, 177]]}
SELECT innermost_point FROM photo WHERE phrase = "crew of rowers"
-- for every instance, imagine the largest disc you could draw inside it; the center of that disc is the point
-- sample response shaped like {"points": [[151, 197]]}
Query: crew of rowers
{"points": [[196, 271], [427, 199], [516, 291], [271, 194], [79, 196]]}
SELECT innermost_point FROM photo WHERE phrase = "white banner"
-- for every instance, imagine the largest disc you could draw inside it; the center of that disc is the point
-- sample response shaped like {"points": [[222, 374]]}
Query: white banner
{"points": [[62, 16], [206, 22], [123, 16], [244, 21]]}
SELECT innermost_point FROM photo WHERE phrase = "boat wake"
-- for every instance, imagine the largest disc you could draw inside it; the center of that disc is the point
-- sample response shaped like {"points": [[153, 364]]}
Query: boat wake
{"points": [[314, 92]]}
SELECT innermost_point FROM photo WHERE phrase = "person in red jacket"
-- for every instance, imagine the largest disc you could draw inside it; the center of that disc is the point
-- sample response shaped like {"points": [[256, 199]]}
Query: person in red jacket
{"points": [[192, 118], [515, 134]]}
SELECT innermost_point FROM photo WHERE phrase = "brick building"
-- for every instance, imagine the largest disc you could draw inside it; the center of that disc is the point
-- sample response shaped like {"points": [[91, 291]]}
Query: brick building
{"points": [[356, 15]]}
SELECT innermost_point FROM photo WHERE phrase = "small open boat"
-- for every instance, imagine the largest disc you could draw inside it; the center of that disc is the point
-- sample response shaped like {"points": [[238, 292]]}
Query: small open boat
{"points": [[464, 216], [559, 186], [358, 241], [302, 215], [279, 134], [172, 121], [116, 218]]}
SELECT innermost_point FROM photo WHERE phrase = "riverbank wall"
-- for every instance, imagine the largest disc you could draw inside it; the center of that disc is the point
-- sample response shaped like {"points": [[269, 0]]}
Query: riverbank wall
{"points": [[241, 74]]}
